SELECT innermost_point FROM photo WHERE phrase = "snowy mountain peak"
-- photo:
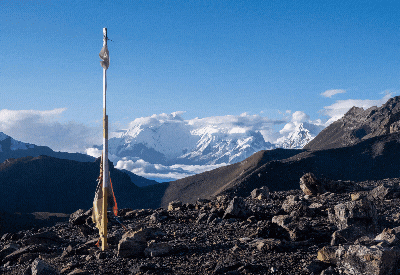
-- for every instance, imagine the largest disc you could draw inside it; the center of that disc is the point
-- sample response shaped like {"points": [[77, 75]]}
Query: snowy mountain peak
{"points": [[168, 139], [296, 139], [7, 143]]}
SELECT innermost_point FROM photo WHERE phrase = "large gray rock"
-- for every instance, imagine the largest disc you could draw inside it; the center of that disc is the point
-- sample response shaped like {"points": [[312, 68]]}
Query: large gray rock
{"points": [[383, 191], [310, 185], [364, 260], [236, 209], [132, 244], [358, 213], [297, 228], [40, 267], [390, 236], [296, 207]]}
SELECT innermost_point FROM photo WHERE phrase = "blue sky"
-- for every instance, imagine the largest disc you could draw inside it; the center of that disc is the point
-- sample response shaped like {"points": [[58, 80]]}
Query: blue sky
{"points": [[207, 58]]}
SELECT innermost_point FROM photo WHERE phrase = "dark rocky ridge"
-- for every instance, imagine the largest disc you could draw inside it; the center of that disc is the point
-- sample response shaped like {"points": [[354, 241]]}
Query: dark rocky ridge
{"points": [[372, 159], [35, 151], [47, 184], [358, 125], [348, 229]]}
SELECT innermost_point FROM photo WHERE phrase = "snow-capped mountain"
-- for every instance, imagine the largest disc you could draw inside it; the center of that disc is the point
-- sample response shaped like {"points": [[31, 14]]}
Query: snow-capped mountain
{"points": [[296, 139], [167, 147], [217, 146], [9, 144], [12, 148], [175, 141]]}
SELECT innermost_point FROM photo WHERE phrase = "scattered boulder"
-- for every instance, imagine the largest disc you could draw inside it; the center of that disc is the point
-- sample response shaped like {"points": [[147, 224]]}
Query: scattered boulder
{"points": [[40, 267], [80, 217], [295, 207], [389, 236], [174, 205], [269, 244], [157, 249], [359, 213], [373, 260], [260, 193], [132, 244], [383, 191], [310, 185], [236, 209], [297, 228]]}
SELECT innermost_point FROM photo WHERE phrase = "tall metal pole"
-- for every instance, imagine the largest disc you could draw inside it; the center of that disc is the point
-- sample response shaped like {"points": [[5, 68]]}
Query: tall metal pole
{"points": [[106, 179]]}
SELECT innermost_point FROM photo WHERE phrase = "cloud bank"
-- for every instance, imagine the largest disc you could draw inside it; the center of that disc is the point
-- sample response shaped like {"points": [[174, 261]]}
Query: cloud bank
{"points": [[43, 128], [330, 93], [340, 107]]}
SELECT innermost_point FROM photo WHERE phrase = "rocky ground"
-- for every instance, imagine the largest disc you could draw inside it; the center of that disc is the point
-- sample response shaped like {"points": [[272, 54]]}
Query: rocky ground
{"points": [[324, 227]]}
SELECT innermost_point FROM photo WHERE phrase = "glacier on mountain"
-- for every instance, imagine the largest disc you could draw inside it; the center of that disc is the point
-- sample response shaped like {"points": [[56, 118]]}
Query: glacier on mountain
{"points": [[296, 139], [167, 147], [168, 140]]}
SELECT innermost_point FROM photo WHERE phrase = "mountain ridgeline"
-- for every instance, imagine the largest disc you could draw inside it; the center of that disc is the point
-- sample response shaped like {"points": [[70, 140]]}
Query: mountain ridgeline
{"points": [[363, 145]]}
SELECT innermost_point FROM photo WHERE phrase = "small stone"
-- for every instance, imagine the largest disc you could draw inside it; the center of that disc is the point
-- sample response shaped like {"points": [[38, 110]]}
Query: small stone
{"points": [[173, 205], [157, 249], [327, 255], [78, 217], [260, 193], [389, 236]]}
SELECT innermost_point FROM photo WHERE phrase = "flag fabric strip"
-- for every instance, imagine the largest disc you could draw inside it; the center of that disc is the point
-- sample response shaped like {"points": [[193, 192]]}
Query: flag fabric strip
{"points": [[98, 205]]}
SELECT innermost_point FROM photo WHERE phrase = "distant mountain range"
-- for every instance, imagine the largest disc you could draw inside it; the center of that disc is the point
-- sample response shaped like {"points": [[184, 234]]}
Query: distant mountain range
{"points": [[170, 146], [11, 148], [174, 142], [341, 152]]}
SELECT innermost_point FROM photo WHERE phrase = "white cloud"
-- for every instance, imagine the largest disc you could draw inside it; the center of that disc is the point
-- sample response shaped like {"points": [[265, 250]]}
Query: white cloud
{"points": [[297, 118], [162, 172], [43, 128], [330, 93], [340, 107]]}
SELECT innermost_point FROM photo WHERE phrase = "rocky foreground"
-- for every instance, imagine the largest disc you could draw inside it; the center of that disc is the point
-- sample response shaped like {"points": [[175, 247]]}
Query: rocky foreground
{"points": [[325, 227]]}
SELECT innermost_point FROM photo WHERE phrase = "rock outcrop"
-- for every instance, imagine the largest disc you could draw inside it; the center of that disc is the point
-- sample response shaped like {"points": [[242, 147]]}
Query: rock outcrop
{"points": [[359, 124]]}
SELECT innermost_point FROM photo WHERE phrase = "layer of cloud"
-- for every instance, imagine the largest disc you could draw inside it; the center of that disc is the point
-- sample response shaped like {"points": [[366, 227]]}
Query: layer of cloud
{"points": [[43, 128], [298, 117], [330, 93], [340, 107], [161, 172]]}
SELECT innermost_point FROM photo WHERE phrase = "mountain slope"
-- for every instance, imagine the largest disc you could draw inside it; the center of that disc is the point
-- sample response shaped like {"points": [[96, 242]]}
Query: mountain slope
{"points": [[359, 124], [212, 182], [11, 148], [47, 184], [373, 159]]}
